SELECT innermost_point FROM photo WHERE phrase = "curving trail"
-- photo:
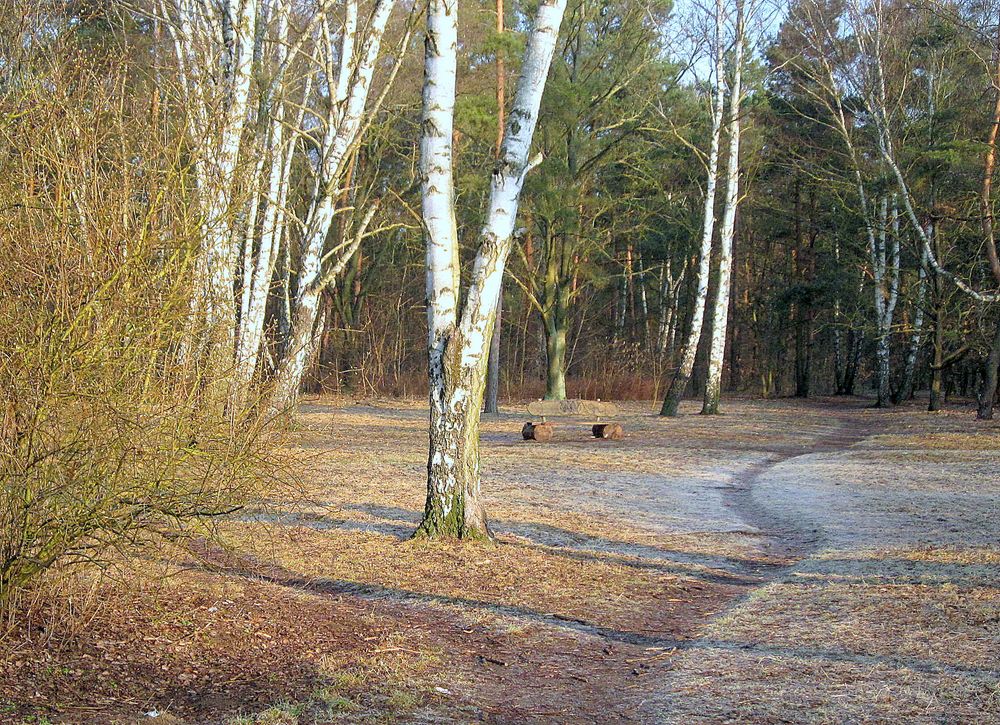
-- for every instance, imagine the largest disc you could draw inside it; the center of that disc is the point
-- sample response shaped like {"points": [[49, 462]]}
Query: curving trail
{"points": [[819, 561], [880, 598]]}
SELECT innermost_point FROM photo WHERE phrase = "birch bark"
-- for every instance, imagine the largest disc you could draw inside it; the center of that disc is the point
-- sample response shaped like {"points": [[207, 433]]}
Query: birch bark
{"points": [[885, 270], [492, 405], [259, 268], [458, 341], [869, 28], [214, 44], [679, 383], [720, 314], [343, 125]]}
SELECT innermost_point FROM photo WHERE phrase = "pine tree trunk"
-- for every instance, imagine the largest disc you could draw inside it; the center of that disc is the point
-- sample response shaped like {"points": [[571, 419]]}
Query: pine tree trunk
{"points": [[839, 367], [555, 316], [555, 359], [988, 391], [856, 342], [803, 355], [621, 303]]}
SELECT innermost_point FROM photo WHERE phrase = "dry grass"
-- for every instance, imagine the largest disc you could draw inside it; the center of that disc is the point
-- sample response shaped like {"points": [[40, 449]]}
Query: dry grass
{"points": [[201, 643], [752, 687], [526, 581], [848, 651], [614, 591]]}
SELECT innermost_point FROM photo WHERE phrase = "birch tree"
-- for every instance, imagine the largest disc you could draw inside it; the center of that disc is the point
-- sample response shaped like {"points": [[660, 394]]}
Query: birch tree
{"points": [[214, 43], [869, 24], [459, 334], [246, 155], [492, 404], [720, 311], [689, 350], [342, 124], [669, 306], [280, 123], [883, 250], [835, 76]]}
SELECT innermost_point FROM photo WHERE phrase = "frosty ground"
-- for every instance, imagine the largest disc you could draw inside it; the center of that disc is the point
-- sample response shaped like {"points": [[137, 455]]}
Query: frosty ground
{"points": [[812, 561]]}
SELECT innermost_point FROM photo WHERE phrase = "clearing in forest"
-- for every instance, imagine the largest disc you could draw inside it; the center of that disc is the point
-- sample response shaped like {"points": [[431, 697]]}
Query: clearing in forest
{"points": [[789, 561]]}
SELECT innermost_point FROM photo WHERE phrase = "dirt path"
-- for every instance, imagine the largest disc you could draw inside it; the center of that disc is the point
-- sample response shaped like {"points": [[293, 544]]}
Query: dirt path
{"points": [[886, 606], [786, 562], [789, 537], [818, 561]]}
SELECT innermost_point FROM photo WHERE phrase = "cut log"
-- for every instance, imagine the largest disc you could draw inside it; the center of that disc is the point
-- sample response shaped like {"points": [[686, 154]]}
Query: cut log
{"points": [[612, 431], [537, 432]]}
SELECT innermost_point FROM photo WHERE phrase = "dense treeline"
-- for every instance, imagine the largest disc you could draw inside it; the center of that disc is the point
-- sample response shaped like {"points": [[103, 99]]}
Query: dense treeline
{"points": [[602, 284]]}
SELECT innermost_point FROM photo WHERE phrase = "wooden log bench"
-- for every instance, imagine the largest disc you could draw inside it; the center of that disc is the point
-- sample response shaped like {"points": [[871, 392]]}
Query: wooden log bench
{"points": [[592, 412]]}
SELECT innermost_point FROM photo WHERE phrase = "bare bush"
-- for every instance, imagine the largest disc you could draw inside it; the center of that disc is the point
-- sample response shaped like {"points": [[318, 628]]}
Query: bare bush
{"points": [[107, 439]]}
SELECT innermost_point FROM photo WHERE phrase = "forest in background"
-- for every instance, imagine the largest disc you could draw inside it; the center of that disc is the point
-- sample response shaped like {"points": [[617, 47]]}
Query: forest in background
{"points": [[603, 282]]}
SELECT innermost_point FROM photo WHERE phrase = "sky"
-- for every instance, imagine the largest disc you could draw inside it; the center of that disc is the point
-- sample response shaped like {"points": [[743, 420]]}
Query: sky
{"points": [[690, 15]]}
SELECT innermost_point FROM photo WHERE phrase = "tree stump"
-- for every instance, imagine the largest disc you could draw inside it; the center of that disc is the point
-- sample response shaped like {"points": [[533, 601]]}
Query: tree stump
{"points": [[537, 432], [612, 431]]}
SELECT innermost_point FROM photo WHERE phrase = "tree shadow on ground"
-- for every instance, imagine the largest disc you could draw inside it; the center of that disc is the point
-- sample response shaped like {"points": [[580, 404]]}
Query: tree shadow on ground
{"points": [[400, 523], [393, 595], [894, 570]]}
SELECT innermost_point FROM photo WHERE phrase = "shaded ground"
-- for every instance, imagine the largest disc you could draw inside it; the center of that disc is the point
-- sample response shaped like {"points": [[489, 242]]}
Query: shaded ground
{"points": [[785, 562]]}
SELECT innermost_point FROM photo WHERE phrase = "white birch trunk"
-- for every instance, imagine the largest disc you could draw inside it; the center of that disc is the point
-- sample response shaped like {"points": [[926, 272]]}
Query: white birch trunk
{"points": [[282, 154], [220, 172], [720, 314], [670, 287], [885, 270], [666, 309], [343, 127], [874, 230], [458, 345], [214, 44], [868, 27], [689, 351]]}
